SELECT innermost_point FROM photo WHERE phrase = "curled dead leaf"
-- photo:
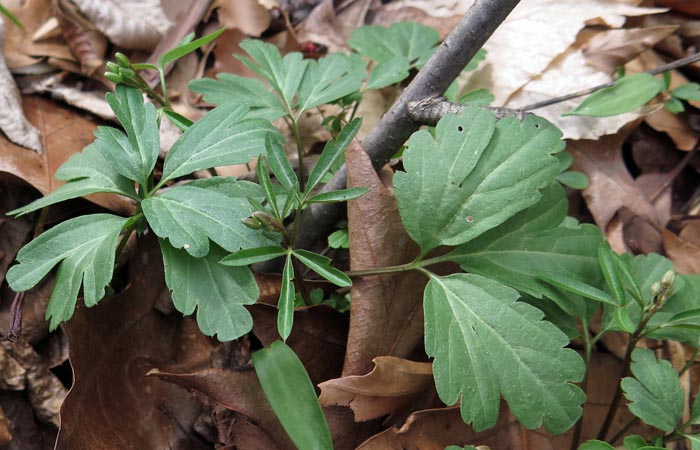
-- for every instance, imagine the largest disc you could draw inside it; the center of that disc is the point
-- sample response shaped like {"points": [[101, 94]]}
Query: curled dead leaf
{"points": [[392, 384], [249, 16], [132, 24], [84, 40]]}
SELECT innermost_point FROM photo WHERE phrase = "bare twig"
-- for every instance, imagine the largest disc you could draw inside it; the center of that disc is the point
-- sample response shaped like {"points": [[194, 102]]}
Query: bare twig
{"points": [[458, 48]]}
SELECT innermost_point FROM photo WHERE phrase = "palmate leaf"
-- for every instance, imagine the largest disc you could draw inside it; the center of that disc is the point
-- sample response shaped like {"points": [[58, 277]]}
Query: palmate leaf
{"points": [[222, 137], [330, 78], [474, 175], [487, 344], [655, 391], [84, 248], [410, 40], [229, 88], [87, 172], [190, 215], [533, 243], [218, 292], [141, 144]]}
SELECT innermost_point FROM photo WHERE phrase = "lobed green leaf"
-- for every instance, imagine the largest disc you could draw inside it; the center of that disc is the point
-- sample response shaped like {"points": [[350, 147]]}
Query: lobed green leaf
{"points": [[330, 78], [410, 40]]}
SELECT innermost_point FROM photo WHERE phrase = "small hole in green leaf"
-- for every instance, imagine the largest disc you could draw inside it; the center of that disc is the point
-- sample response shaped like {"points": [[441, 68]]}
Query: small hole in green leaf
{"points": [[470, 219], [460, 129], [537, 125]]}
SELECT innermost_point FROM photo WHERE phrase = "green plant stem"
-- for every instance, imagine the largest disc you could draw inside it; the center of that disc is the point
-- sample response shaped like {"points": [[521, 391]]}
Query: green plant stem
{"points": [[585, 334], [124, 240], [300, 154], [163, 87], [384, 270], [689, 363], [607, 423]]}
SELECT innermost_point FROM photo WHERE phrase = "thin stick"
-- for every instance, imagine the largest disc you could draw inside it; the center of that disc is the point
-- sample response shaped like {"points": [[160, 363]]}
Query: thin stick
{"points": [[676, 171]]}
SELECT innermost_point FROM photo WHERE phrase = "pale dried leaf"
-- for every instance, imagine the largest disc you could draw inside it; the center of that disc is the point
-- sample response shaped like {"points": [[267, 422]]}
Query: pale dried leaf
{"points": [[12, 121], [606, 51], [132, 24], [392, 384], [684, 249], [249, 16]]}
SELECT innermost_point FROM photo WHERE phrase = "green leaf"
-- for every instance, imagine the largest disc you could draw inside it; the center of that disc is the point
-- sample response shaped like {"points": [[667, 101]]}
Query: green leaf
{"points": [[485, 174], [674, 106], [283, 74], [219, 293], [84, 248], [339, 239], [595, 445], [292, 396], [474, 62], [190, 215], [140, 147], [628, 93], [573, 179], [486, 343], [342, 195], [285, 315], [330, 78], [279, 163], [410, 40], [695, 411], [180, 121], [222, 137], [388, 72], [533, 243], [228, 88], [687, 91], [578, 288], [187, 48], [479, 97], [655, 392], [332, 152], [608, 263], [88, 172], [322, 266], [253, 255], [7, 13], [266, 185], [634, 442]]}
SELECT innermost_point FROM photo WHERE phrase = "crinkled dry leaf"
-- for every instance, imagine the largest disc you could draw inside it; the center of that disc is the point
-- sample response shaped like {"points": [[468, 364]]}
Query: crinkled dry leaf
{"points": [[64, 132], [84, 40], [249, 16], [27, 432], [12, 374], [684, 249], [12, 121], [112, 347], [386, 311], [435, 429], [132, 24], [392, 384], [613, 48]]}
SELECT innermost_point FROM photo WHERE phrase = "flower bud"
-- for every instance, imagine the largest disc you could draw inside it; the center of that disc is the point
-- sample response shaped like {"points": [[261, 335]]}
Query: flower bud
{"points": [[114, 77], [668, 279], [127, 74], [112, 67], [122, 60], [268, 222], [656, 289], [252, 223]]}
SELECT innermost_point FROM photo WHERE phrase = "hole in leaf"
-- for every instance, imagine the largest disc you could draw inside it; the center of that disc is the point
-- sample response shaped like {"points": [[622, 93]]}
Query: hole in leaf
{"points": [[460, 129], [470, 219], [537, 125]]}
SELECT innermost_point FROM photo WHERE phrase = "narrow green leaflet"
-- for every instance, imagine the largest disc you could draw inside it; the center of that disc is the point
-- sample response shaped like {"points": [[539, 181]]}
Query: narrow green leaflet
{"points": [[180, 121], [188, 47], [628, 93], [228, 88], [253, 255], [322, 266], [474, 175], [533, 243], [487, 344], [342, 195], [285, 315], [330, 78], [655, 392], [687, 91], [218, 292], [292, 396], [283, 74], [222, 137], [279, 163], [87, 172], [332, 152], [595, 445], [7, 13], [611, 273], [410, 40], [140, 146], [389, 72], [190, 215], [84, 248]]}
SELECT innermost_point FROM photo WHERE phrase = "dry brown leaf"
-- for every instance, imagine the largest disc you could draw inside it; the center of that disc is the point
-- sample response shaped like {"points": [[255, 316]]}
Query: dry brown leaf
{"points": [[435, 429], [12, 121], [684, 249], [684, 6], [236, 390], [5, 435], [607, 51], [611, 185], [63, 132], [132, 24], [21, 50], [386, 314], [392, 384], [12, 374], [27, 432], [112, 347], [84, 40], [249, 16]]}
